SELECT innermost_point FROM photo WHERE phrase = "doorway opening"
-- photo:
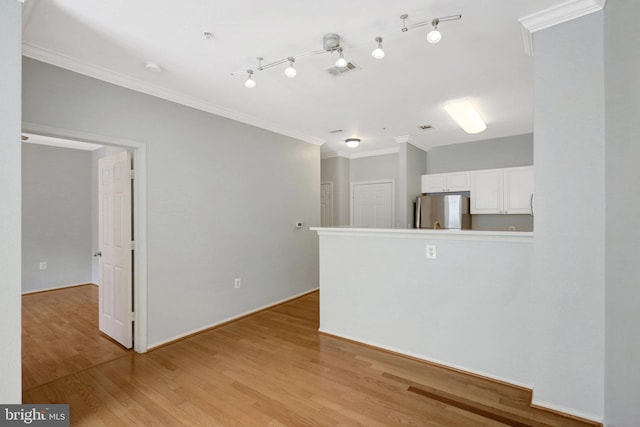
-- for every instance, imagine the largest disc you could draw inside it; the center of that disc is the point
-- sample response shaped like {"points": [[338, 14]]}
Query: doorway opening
{"points": [[138, 218]]}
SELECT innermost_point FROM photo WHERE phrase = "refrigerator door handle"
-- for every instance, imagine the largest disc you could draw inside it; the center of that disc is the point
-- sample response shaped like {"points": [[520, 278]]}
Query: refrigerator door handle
{"points": [[531, 204], [418, 211]]}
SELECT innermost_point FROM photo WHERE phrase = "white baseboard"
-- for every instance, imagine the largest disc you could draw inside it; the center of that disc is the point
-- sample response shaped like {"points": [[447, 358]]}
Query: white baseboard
{"points": [[53, 288], [564, 410], [227, 320]]}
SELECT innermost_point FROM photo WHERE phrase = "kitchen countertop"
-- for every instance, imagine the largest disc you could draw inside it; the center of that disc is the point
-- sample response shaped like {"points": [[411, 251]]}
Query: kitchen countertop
{"points": [[423, 233]]}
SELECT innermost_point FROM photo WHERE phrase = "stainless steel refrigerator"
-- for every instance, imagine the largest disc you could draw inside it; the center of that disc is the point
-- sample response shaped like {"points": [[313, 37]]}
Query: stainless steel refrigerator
{"points": [[450, 211]]}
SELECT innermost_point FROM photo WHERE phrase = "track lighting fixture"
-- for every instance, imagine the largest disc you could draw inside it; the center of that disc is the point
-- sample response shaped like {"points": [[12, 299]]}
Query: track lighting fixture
{"points": [[378, 53], [290, 71], [341, 62], [434, 35], [250, 83], [352, 142], [331, 43]]}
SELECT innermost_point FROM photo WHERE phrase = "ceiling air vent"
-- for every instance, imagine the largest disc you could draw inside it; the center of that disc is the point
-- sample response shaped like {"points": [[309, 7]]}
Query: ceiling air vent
{"points": [[336, 131], [426, 127], [339, 71]]}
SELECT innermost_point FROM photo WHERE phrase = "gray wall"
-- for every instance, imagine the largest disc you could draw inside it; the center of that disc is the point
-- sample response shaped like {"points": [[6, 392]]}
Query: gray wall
{"points": [[622, 84], [510, 151], [377, 168], [10, 51], [206, 175], [413, 164], [569, 245], [56, 217], [336, 170]]}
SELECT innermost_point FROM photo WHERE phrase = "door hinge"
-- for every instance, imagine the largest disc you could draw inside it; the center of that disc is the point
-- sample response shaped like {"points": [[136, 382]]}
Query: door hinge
{"points": [[132, 174], [132, 318], [133, 245]]}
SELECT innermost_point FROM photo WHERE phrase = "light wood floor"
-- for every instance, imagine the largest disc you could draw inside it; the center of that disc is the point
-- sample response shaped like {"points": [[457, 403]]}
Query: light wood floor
{"points": [[275, 369], [60, 335]]}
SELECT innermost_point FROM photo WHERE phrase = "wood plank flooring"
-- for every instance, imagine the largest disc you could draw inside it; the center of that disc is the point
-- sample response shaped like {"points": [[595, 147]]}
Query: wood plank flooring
{"points": [[275, 369], [60, 335]]}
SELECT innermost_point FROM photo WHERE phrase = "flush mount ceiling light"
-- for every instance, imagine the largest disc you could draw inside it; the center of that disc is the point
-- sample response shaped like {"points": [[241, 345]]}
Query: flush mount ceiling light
{"points": [[378, 53], [352, 142], [331, 43], [434, 35], [466, 116]]}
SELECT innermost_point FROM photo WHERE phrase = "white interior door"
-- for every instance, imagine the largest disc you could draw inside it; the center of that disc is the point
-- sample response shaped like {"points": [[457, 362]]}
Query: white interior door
{"points": [[326, 204], [115, 303], [372, 204]]}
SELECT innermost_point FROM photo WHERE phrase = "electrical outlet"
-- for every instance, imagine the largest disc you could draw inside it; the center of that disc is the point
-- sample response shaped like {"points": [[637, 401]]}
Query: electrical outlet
{"points": [[237, 283], [43, 265], [512, 228], [431, 252]]}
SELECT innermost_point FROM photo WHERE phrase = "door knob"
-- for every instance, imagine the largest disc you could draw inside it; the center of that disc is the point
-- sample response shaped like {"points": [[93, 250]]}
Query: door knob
{"points": [[98, 253]]}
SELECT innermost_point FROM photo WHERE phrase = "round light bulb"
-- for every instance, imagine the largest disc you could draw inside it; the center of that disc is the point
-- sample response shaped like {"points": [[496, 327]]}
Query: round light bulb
{"points": [[378, 53], [250, 83], [290, 71], [434, 36], [341, 62]]}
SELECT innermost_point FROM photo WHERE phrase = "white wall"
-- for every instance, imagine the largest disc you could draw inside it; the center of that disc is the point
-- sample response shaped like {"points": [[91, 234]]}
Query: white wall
{"points": [[466, 309], [567, 310], [622, 84], [56, 217], [222, 198], [10, 50]]}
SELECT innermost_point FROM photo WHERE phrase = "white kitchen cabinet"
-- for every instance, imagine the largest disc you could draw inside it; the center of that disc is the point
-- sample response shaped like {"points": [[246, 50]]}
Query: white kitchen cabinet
{"points": [[502, 191], [445, 182]]}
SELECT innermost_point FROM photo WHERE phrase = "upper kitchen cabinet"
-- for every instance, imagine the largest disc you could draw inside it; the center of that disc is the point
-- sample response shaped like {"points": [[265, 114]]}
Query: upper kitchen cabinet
{"points": [[502, 191], [445, 182]]}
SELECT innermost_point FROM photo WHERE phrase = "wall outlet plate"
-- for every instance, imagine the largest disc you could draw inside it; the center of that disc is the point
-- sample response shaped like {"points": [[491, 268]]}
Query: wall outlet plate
{"points": [[432, 252], [237, 283], [43, 265]]}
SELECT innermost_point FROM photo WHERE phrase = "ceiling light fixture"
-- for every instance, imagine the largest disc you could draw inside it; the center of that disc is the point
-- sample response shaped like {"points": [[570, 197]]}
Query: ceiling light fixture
{"points": [[250, 83], [341, 62], [352, 142], [290, 71], [378, 53], [434, 35], [466, 116], [331, 43]]}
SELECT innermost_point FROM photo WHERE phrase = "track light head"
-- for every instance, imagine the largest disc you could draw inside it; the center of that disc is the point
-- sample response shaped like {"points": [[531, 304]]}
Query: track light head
{"points": [[378, 53], [290, 71], [250, 83], [434, 35], [341, 62]]}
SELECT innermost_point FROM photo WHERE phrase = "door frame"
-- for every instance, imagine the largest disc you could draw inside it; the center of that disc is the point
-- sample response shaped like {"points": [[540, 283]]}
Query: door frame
{"points": [[139, 150], [330, 183], [382, 181]]}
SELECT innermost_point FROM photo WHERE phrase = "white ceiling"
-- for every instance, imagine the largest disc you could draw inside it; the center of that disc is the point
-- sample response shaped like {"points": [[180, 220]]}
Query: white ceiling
{"points": [[481, 58]]}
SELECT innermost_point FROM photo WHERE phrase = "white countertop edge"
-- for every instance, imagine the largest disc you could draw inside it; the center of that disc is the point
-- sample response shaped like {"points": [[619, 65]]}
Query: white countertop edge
{"points": [[477, 235]]}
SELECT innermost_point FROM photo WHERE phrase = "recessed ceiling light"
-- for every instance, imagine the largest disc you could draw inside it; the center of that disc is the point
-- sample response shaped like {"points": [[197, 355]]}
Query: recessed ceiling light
{"points": [[152, 67]]}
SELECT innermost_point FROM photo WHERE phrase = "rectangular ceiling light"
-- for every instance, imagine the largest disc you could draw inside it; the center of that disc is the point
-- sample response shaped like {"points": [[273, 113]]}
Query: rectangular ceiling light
{"points": [[466, 116]]}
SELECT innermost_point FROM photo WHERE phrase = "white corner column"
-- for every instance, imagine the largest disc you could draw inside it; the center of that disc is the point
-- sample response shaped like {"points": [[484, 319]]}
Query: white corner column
{"points": [[10, 194]]}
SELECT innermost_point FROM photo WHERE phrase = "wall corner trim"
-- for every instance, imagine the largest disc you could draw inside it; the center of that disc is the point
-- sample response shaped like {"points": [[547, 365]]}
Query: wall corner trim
{"points": [[555, 15]]}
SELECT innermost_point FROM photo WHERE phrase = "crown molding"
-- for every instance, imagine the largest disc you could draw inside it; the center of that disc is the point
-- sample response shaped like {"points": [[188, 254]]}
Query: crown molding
{"points": [[555, 15], [371, 153], [73, 64]]}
